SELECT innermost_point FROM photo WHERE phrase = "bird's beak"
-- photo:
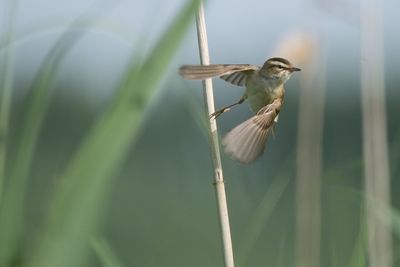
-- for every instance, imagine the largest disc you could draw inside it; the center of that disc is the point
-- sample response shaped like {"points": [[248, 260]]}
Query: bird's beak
{"points": [[292, 69]]}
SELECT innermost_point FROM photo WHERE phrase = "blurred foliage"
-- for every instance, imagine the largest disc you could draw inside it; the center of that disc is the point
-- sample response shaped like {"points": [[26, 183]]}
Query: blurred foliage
{"points": [[75, 207]]}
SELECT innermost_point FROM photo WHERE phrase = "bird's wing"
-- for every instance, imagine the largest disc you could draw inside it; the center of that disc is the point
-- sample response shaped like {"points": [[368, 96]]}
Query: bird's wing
{"points": [[233, 73], [246, 142]]}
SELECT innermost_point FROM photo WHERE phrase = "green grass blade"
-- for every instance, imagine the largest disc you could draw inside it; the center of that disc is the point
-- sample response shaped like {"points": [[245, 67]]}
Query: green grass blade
{"points": [[334, 255], [259, 220], [6, 86], [37, 101], [358, 257], [105, 253], [395, 214], [77, 203], [282, 254], [395, 221]]}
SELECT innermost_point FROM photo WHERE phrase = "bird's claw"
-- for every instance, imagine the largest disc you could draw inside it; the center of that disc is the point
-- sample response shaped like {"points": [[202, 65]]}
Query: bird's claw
{"points": [[218, 112]]}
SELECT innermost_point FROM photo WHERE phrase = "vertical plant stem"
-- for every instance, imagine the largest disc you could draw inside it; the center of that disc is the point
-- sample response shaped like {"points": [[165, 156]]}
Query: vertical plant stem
{"points": [[375, 145], [213, 136], [309, 164]]}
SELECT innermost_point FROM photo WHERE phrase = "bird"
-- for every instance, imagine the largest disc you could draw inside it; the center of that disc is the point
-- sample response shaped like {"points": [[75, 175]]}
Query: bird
{"points": [[264, 92]]}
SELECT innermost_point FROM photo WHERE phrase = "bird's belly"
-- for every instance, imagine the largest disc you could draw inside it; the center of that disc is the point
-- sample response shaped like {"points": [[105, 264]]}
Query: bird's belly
{"points": [[259, 100], [260, 94]]}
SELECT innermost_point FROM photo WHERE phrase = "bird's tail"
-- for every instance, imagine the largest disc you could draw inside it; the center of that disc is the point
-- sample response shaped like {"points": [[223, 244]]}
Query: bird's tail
{"points": [[246, 142]]}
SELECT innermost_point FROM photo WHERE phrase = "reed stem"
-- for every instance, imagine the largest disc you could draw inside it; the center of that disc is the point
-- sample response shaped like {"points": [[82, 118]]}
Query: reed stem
{"points": [[375, 144], [213, 137]]}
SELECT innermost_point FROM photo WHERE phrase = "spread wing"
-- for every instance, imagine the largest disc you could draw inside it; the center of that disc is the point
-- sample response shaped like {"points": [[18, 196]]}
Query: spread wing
{"points": [[246, 142], [233, 73]]}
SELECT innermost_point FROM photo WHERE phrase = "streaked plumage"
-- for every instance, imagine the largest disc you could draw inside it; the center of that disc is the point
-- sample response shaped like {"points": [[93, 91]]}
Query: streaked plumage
{"points": [[264, 92]]}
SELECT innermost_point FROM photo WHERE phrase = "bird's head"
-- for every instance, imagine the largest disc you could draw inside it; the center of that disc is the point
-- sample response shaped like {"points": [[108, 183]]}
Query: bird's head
{"points": [[278, 68]]}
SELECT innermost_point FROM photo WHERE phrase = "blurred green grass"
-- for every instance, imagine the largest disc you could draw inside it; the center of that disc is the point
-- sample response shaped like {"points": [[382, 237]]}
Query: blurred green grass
{"points": [[74, 212]]}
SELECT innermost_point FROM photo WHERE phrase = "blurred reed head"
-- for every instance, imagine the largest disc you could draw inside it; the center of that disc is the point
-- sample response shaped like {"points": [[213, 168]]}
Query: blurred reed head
{"points": [[297, 46]]}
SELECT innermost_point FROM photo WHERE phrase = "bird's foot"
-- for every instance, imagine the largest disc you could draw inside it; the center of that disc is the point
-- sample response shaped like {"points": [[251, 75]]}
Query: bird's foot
{"points": [[218, 112]]}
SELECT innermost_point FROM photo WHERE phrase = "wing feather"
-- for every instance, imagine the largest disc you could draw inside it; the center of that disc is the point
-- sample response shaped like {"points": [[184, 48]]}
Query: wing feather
{"points": [[233, 73]]}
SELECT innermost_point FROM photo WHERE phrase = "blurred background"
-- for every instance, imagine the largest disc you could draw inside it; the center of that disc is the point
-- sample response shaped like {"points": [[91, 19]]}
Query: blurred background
{"points": [[303, 203]]}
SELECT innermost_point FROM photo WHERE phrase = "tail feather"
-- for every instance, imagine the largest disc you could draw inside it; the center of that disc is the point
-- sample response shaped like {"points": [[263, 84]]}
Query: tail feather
{"points": [[246, 142]]}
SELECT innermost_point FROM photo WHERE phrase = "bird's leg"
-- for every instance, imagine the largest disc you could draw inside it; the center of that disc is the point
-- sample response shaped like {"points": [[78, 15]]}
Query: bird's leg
{"points": [[225, 109]]}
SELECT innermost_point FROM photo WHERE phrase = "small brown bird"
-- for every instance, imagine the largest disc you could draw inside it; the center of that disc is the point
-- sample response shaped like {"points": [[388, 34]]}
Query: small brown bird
{"points": [[264, 92]]}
